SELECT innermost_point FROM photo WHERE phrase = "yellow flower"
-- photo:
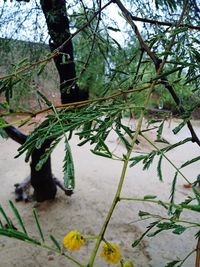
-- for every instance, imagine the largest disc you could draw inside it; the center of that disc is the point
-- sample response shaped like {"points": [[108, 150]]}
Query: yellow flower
{"points": [[73, 240], [111, 253]]}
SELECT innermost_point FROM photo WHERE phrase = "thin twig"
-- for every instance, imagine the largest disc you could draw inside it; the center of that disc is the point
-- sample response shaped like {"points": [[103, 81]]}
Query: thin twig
{"points": [[79, 104], [164, 23]]}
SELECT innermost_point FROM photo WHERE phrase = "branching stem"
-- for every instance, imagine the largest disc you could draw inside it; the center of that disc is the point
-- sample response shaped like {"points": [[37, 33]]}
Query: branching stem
{"points": [[177, 206], [159, 68], [164, 155]]}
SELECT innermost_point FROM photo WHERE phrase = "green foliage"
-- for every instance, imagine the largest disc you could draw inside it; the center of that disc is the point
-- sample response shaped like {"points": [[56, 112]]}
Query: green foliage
{"points": [[23, 76], [69, 176], [149, 228], [17, 215], [169, 3], [172, 263], [38, 225], [10, 229], [121, 76]]}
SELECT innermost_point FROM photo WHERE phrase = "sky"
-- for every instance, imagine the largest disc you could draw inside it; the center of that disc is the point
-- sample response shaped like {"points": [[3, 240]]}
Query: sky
{"points": [[28, 29]]}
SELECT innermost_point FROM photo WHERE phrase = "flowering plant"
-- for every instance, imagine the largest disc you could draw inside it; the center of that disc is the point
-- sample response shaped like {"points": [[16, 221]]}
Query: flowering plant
{"points": [[96, 118]]}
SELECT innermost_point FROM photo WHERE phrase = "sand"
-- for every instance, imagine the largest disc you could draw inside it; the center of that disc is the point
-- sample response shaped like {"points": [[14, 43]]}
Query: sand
{"points": [[85, 210]]}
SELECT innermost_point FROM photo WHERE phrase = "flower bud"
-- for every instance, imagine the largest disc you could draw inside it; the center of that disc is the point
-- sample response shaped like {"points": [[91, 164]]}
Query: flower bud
{"points": [[126, 263]]}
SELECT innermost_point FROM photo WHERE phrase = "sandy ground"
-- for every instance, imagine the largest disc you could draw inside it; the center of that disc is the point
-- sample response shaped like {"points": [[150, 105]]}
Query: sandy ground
{"points": [[85, 210]]}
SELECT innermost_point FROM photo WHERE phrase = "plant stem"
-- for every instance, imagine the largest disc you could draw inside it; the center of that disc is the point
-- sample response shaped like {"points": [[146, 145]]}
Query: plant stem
{"points": [[122, 177], [187, 256], [138, 129], [163, 154], [177, 206], [63, 254]]}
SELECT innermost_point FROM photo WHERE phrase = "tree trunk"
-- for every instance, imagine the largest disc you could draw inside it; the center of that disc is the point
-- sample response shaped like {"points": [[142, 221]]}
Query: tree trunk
{"points": [[42, 181], [55, 12], [58, 26]]}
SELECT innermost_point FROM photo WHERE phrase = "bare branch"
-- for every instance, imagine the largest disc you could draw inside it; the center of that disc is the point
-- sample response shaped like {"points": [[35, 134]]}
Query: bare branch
{"points": [[164, 23]]}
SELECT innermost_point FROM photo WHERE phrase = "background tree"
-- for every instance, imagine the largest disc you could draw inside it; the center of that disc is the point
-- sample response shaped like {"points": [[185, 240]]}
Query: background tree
{"points": [[58, 25]]}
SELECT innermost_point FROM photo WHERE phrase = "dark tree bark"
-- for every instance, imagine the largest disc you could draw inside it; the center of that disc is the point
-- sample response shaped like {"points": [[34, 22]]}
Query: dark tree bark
{"points": [[55, 12], [58, 26], [43, 182], [16, 135]]}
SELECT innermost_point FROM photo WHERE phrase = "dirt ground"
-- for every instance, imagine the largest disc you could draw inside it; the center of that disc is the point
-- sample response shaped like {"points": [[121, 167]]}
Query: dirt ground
{"points": [[85, 210]]}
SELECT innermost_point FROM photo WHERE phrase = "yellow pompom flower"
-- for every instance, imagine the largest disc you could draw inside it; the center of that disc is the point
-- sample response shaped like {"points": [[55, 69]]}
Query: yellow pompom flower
{"points": [[73, 240], [111, 253]]}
